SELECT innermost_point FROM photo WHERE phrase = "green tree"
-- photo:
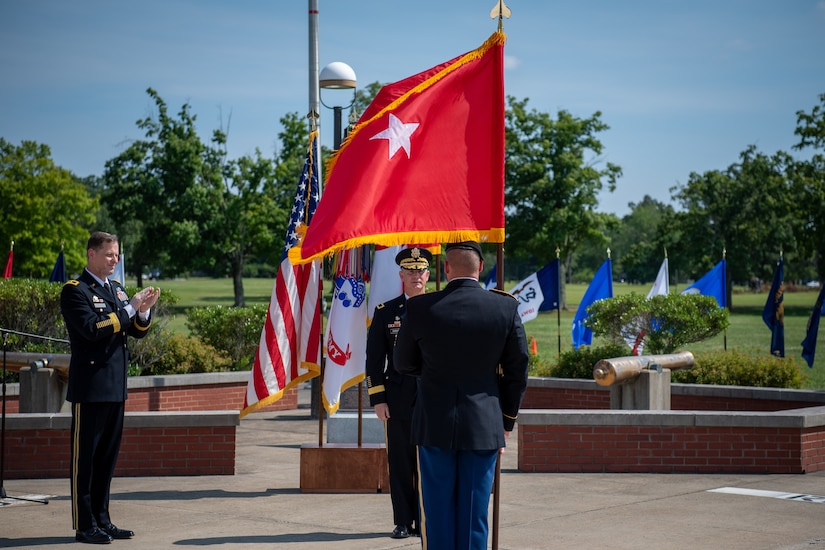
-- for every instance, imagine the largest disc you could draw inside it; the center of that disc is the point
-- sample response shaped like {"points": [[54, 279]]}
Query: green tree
{"points": [[810, 183], [42, 208], [664, 323], [750, 210], [164, 196], [637, 244], [364, 97], [552, 183], [207, 212], [251, 218]]}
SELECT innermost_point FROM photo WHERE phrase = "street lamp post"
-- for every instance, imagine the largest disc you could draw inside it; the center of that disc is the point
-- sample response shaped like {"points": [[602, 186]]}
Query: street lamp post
{"points": [[337, 76]]}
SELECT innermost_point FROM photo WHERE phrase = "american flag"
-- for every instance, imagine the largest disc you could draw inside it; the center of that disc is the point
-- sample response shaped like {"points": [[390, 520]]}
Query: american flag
{"points": [[290, 348]]}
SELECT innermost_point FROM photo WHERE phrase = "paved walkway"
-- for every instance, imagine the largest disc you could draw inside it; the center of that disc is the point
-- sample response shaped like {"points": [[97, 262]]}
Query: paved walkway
{"points": [[261, 505]]}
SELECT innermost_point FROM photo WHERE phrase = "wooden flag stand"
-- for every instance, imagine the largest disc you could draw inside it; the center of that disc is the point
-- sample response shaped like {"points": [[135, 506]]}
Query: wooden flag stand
{"points": [[344, 467]]}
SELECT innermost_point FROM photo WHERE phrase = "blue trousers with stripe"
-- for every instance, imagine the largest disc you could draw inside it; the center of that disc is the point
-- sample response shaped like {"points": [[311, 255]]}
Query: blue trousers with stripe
{"points": [[455, 491]]}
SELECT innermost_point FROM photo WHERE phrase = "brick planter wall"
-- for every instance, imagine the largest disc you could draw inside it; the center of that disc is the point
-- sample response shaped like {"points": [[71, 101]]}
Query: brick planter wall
{"points": [[175, 425], [197, 392], [562, 393], [216, 391], [728, 430], [154, 444]]}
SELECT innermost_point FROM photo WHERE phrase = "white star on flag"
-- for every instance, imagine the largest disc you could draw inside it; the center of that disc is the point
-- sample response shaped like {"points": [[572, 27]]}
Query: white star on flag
{"points": [[398, 133]]}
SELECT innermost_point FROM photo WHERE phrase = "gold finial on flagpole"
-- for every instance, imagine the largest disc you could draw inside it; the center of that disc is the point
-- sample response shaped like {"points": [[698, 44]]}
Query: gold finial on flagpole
{"points": [[608, 253], [500, 10]]}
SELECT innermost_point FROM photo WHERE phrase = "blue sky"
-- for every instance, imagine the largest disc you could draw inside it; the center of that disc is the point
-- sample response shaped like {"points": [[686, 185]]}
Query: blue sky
{"points": [[684, 85]]}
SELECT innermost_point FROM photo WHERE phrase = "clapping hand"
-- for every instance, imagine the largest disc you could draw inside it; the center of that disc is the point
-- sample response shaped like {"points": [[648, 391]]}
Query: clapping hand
{"points": [[145, 299]]}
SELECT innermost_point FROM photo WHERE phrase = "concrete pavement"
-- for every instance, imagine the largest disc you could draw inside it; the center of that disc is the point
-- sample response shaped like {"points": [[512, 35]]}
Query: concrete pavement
{"points": [[261, 505]]}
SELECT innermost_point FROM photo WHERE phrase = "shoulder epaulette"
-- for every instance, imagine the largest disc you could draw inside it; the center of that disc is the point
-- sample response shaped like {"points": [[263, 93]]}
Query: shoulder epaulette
{"points": [[73, 282], [116, 281], [497, 291], [379, 306]]}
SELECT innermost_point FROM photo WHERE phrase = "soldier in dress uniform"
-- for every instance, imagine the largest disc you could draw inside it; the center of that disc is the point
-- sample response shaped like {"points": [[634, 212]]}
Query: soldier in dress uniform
{"points": [[99, 315], [392, 394], [468, 347]]}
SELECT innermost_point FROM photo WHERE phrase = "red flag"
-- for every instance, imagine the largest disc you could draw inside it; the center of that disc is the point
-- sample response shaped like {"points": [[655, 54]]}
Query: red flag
{"points": [[425, 163], [290, 348], [7, 270]]}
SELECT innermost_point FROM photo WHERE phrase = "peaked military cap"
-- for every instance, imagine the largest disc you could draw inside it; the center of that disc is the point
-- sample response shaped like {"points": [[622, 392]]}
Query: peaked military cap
{"points": [[414, 258]]}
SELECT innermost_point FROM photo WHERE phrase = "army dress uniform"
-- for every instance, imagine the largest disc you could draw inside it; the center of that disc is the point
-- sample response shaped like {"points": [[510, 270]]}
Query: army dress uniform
{"points": [[98, 324], [398, 391], [468, 348], [386, 385]]}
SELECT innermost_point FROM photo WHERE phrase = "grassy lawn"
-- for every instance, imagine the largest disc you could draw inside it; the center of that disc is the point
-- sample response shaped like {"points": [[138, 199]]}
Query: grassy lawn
{"points": [[747, 331]]}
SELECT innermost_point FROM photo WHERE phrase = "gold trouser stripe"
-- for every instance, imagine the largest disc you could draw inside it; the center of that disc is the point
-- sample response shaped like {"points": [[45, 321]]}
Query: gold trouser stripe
{"points": [[75, 458], [422, 520]]}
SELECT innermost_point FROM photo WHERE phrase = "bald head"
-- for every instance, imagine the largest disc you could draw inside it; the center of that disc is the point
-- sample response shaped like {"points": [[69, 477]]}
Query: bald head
{"points": [[461, 262]]}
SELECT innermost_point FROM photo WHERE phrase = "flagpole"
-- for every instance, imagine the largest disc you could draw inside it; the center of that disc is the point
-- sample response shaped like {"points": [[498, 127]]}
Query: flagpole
{"points": [[314, 116], [499, 11], [558, 293], [727, 300], [497, 475]]}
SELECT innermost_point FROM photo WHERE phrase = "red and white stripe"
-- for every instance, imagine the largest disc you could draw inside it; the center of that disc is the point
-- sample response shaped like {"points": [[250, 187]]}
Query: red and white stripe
{"points": [[290, 347]]}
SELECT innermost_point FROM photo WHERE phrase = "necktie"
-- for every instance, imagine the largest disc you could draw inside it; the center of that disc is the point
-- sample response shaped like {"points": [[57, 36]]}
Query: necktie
{"points": [[108, 288]]}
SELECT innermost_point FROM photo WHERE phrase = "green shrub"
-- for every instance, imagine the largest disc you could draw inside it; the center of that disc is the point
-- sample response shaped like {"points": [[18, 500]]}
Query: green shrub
{"points": [[184, 355], [261, 271], [33, 307], [538, 366], [734, 368], [579, 363], [234, 331], [667, 323]]}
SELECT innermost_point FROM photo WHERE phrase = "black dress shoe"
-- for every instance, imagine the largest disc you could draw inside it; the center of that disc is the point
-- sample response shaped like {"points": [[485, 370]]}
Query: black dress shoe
{"points": [[400, 532], [92, 536], [116, 533], [413, 531]]}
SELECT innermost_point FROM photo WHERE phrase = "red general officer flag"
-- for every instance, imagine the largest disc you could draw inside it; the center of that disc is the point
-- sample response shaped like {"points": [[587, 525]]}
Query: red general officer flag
{"points": [[9, 263], [425, 163]]}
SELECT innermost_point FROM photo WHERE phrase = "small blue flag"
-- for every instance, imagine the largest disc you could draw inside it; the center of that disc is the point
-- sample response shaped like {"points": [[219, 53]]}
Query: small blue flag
{"points": [[809, 343], [59, 271], [490, 282], [774, 312], [601, 287], [713, 283]]}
